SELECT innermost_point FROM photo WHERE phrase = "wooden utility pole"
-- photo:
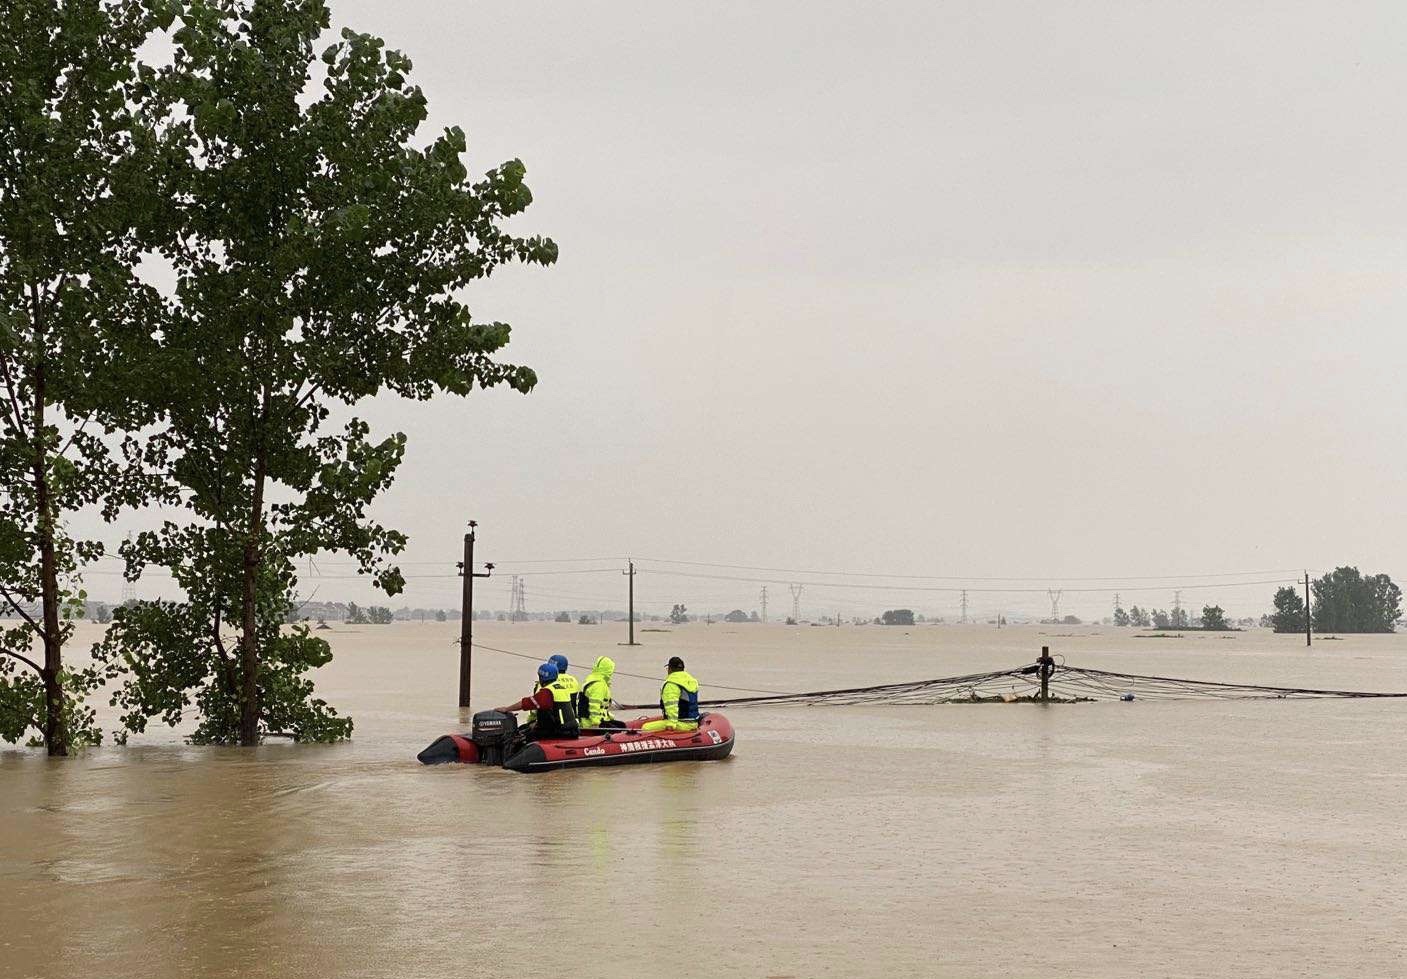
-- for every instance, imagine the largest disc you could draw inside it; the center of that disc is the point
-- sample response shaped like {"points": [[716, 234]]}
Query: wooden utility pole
{"points": [[631, 612], [1308, 639], [466, 615]]}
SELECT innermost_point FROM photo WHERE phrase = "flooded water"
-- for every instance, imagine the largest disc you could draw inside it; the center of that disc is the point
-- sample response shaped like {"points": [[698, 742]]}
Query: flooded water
{"points": [[1092, 840]]}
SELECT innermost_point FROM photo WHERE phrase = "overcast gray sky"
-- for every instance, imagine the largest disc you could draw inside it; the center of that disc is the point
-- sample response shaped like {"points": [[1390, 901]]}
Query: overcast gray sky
{"points": [[969, 289]]}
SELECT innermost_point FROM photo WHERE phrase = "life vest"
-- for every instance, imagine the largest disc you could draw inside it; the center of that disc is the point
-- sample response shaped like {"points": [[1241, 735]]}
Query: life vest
{"points": [[595, 700], [573, 685], [559, 720], [687, 706], [578, 701]]}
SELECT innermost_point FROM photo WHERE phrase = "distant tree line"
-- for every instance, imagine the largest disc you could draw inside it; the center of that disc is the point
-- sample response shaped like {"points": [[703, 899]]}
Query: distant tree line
{"points": [[1344, 600], [1212, 619]]}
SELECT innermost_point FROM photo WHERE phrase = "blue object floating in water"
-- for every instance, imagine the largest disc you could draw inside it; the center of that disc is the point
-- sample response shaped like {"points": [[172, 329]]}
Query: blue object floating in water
{"points": [[1125, 696]]}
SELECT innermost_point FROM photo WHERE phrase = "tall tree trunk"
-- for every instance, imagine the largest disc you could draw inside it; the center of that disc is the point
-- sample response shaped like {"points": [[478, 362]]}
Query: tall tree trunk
{"points": [[55, 730], [249, 640]]}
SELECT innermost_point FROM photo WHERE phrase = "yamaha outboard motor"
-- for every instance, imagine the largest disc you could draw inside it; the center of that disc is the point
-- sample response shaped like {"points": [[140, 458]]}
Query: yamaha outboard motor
{"points": [[491, 734], [489, 740]]}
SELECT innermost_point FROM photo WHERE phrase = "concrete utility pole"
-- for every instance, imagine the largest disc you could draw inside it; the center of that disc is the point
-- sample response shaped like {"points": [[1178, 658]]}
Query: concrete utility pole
{"points": [[631, 575], [466, 615], [1308, 639]]}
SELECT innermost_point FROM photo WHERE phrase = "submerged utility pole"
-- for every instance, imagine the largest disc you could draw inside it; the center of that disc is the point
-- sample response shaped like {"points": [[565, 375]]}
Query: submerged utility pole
{"points": [[1308, 639], [630, 612], [466, 614], [1047, 667]]}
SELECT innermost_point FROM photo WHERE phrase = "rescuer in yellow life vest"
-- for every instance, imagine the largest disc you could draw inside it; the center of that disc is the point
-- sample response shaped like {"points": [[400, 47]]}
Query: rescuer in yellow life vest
{"points": [[595, 710], [553, 706], [679, 700], [571, 683]]}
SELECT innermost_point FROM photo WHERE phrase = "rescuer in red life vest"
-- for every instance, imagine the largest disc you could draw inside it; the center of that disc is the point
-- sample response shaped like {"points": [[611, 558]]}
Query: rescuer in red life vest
{"points": [[555, 716]]}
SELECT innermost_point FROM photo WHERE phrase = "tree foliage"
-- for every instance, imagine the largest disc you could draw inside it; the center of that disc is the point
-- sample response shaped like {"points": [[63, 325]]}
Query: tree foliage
{"points": [[171, 661], [319, 261], [1347, 601], [679, 615], [898, 616], [1214, 618], [77, 209], [1289, 611]]}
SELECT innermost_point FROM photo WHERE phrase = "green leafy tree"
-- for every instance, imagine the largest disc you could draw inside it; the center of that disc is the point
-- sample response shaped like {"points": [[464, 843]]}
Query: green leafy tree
{"points": [[1161, 619], [1139, 618], [1289, 611], [1214, 618], [78, 207], [898, 616], [440, 615], [380, 615], [679, 615], [1347, 601], [321, 257], [1121, 618]]}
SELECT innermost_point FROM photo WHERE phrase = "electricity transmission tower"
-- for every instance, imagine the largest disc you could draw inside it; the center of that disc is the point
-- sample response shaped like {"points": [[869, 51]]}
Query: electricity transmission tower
{"points": [[1117, 604], [795, 603], [129, 591], [964, 606], [1055, 594], [519, 611], [763, 600]]}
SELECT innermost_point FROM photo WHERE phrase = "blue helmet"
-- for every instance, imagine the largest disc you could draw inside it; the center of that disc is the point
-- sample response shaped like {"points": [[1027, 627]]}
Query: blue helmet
{"points": [[559, 661], [547, 673]]}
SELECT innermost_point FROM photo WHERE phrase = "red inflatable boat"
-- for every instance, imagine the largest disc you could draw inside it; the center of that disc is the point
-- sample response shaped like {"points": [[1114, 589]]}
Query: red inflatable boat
{"points": [[495, 740]]}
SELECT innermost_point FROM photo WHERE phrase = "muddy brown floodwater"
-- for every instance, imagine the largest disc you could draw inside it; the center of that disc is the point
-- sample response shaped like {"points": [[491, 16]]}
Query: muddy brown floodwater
{"points": [[1238, 838]]}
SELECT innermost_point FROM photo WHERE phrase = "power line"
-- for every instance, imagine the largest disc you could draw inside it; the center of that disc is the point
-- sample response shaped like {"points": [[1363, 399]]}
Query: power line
{"points": [[952, 589], [935, 577]]}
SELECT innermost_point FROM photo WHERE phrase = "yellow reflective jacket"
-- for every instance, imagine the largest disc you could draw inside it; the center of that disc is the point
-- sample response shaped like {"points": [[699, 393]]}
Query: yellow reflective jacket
{"points": [[679, 697], [596, 693]]}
